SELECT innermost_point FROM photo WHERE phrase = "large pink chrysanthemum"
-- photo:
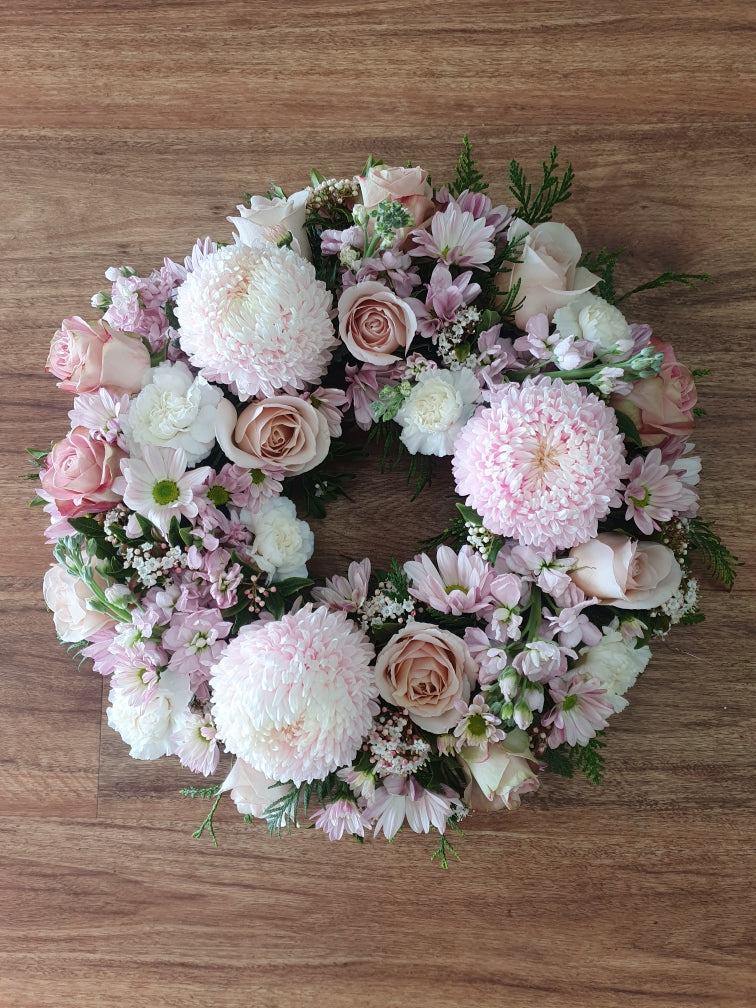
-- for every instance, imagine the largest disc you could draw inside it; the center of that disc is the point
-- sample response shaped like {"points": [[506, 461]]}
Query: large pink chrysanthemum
{"points": [[542, 464], [256, 319], [294, 697]]}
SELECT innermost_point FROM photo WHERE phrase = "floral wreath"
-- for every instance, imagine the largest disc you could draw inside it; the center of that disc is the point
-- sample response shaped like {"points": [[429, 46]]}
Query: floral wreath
{"points": [[209, 407]]}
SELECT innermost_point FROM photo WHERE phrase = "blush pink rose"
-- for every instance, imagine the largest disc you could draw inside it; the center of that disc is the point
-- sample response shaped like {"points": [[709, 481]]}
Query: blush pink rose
{"points": [[624, 572], [251, 791], [374, 322], [408, 186], [79, 474], [548, 270], [284, 433], [425, 670], [67, 596], [87, 358], [663, 405]]}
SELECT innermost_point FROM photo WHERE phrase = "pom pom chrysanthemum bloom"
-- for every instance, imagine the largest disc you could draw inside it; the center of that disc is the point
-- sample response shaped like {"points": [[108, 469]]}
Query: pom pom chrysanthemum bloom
{"points": [[542, 464], [256, 319], [294, 697]]}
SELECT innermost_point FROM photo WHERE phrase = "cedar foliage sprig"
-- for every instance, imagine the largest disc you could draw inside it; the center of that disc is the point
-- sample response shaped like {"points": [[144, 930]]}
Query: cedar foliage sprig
{"points": [[207, 823], [466, 174], [588, 759], [693, 280], [552, 190], [721, 562], [603, 264]]}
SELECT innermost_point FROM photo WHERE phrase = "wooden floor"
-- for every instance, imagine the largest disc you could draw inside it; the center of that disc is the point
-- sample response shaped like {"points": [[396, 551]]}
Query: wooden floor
{"points": [[127, 130]]}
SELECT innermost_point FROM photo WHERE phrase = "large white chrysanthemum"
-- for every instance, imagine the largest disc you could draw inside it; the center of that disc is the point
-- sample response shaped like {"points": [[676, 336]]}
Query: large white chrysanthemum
{"points": [[294, 697], [256, 319]]}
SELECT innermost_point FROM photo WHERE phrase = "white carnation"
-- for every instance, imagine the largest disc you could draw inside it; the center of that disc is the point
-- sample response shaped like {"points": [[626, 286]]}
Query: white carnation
{"points": [[616, 664], [283, 543], [148, 729], [173, 410], [591, 318], [439, 405]]}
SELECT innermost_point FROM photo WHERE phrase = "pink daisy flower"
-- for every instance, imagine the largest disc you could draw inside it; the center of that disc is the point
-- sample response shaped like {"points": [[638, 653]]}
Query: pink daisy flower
{"points": [[339, 817], [158, 486], [542, 464], [456, 238], [195, 745], [478, 725], [401, 798], [580, 710], [456, 583], [347, 594], [655, 493]]}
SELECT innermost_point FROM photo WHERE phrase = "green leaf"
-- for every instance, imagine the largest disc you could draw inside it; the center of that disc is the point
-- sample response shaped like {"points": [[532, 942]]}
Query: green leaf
{"points": [[552, 190], [469, 514], [37, 501], [88, 527], [627, 428]]}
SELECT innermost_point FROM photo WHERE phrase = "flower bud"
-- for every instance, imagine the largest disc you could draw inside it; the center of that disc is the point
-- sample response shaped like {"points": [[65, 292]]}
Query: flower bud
{"points": [[523, 715], [509, 683]]}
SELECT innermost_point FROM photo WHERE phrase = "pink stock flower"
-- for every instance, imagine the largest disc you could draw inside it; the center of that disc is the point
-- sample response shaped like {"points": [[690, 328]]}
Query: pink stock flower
{"points": [[542, 464]]}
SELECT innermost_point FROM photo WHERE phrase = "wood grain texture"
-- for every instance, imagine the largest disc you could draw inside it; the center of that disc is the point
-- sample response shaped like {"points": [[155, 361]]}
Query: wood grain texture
{"points": [[126, 132]]}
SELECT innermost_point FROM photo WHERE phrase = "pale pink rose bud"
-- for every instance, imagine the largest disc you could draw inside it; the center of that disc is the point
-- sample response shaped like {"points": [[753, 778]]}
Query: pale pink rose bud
{"points": [[67, 596], [283, 432], [79, 474], [625, 573], [87, 358], [424, 670], [374, 322], [663, 405], [548, 270]]}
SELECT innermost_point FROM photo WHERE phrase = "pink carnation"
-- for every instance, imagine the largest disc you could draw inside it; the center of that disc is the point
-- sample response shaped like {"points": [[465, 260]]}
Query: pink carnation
{"points": [[542, 464], [294, 697]]}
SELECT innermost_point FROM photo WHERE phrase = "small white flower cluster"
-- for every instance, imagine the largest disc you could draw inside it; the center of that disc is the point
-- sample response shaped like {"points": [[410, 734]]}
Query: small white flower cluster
{"points": [[151, 569], [331, 191], [453, 334], [682, 602], [384, 607], [479, 538], [394, 746]]}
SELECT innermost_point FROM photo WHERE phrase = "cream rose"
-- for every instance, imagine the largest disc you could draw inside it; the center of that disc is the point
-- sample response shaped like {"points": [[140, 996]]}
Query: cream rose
{"points": [[283, 432], [251, 790], [68, 597], [499, 775], [624, 572], [548, 271], [425, 669], [374, 322], [268, 220], [87, 358]]}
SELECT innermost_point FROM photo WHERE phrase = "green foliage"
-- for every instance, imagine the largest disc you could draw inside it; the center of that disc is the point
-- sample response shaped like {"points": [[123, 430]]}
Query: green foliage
{"points": [[314, 491], [282, 591], [466, 174], [536, 209], [282, 812], [390, 400], [445, 847], [207, 823], [588, 759], [721, 562], [603, 264], [692, 280]]}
